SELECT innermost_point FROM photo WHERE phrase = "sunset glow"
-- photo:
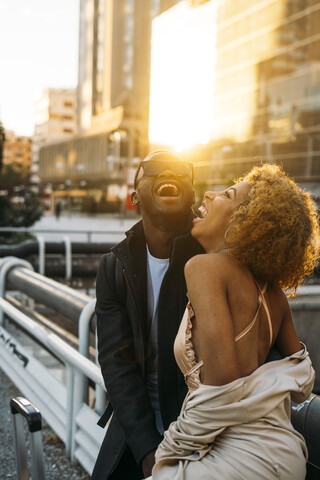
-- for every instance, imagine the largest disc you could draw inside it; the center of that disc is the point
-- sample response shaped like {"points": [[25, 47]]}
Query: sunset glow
{"points": [[183, 58]]}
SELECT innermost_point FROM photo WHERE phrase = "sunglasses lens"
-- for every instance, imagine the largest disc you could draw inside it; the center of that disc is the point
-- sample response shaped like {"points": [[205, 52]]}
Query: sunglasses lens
{"points": [[152, 168]]}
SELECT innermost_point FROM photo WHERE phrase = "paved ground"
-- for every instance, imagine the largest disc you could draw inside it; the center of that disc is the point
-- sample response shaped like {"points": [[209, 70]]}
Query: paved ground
{"points": [[77, 226], [57, 465]]}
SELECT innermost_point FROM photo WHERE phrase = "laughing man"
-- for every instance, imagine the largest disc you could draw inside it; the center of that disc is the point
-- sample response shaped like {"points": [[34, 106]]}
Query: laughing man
{"points": [[141, 297]]}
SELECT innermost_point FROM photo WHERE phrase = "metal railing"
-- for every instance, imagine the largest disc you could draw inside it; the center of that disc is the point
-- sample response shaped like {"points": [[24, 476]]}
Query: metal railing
{"points": [[36, 231], [53, 375], [20, 275], [65, 259]]}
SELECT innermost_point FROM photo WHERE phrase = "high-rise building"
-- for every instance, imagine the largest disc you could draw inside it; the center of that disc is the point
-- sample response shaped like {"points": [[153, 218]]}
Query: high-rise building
{"points": [[114, 66], [262, 59], [112, 98]]}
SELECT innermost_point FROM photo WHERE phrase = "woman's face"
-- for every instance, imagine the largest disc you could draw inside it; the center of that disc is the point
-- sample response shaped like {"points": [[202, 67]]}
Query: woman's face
{"points": [[217, 208]]}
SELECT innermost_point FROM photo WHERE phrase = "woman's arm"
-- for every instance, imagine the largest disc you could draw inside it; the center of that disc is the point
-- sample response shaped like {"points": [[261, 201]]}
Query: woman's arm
{"points": [[287, 341], [213, 333]]}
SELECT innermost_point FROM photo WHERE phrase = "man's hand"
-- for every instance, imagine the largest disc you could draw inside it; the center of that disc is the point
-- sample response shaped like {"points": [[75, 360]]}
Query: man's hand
{"points": [[147, 463]]}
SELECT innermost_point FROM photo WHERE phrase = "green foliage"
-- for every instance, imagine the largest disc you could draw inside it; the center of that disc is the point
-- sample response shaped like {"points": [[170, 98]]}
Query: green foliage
{"points": [[20, 206]]}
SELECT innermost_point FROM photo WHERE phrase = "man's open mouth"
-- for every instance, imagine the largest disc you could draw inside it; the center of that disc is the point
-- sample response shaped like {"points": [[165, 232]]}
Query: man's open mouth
{"points": [[167, 189]]}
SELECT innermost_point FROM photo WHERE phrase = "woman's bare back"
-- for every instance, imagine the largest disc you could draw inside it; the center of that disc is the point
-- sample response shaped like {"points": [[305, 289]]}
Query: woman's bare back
{"points": [[225, 298]]}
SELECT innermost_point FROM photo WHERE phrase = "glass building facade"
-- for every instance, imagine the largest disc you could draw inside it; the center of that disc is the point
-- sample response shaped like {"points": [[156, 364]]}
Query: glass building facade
{"points": [[267, 96], [266, 100]]}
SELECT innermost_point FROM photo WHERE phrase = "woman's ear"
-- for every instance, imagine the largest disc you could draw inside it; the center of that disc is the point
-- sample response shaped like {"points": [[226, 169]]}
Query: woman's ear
{"points": [[134, 198]]}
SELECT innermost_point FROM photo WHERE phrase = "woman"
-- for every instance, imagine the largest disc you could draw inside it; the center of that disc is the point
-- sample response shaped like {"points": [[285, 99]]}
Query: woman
{"points": [[260, 237]]}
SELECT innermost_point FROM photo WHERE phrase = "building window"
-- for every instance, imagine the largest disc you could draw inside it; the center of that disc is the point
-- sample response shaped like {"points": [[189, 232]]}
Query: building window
{"points": [[128, 81]]}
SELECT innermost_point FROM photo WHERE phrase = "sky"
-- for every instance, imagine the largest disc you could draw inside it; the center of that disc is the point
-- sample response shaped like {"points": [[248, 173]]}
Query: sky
{"points": [[38, 49]]}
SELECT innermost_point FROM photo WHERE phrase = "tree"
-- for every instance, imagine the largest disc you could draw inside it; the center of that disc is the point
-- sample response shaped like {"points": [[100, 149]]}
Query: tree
{"points": [[20, 206]]}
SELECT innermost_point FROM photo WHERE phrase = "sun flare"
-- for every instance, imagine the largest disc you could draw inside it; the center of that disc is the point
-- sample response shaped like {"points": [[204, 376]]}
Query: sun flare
{"points": [[183, 58]]}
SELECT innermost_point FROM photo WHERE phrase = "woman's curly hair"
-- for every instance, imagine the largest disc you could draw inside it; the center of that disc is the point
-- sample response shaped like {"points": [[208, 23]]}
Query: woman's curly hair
{"points": [[275, 230]]}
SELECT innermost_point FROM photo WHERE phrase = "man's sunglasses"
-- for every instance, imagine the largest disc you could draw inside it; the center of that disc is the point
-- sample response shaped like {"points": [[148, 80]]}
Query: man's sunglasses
{"points": [[152, 168]]}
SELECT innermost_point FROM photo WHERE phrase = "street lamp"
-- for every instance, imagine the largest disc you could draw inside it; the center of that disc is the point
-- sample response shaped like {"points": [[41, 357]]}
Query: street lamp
{"points": [[2, 140], [114, 165]]}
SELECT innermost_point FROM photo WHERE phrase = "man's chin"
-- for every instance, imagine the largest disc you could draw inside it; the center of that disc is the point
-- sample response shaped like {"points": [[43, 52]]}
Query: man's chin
{"points": [[172, 209]]}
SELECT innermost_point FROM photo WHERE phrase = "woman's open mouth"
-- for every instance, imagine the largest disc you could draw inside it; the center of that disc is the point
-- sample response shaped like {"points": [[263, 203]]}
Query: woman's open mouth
{"points": [[203, 210]]}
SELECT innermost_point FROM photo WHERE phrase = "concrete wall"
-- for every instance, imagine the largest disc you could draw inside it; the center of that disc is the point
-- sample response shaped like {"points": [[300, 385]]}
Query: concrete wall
{"points": [[306, 316]]}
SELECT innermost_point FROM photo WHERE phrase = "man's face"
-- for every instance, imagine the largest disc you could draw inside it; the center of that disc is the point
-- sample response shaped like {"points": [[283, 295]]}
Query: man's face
{"points": [[164, 188]]}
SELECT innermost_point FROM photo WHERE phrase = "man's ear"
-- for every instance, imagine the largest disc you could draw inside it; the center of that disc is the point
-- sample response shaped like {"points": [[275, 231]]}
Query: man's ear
{"points": [[134, 198]]}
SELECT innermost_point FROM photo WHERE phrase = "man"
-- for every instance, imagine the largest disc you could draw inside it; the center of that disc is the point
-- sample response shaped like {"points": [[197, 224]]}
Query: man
{"points": [[141, 297]]}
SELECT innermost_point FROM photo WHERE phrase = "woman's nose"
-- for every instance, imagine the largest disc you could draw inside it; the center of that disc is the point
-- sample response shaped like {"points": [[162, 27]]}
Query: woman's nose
{"points": [[209, 195]]}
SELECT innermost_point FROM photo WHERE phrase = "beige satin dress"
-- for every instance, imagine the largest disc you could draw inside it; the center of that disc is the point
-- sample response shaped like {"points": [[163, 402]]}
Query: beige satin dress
{"points": [[241, 430]]}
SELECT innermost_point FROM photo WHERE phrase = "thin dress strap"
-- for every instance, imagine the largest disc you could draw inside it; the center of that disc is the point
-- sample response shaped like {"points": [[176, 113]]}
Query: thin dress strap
{"points": [[248, 328], [262, 292], [262, 301], [194, 369]]}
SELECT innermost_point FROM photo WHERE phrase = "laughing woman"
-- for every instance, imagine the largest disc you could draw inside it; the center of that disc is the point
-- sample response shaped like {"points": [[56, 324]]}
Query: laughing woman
{"points": [[261, 237]]}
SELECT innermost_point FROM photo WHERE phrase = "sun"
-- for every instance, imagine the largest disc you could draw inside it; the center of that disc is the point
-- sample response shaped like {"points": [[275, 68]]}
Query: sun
{"points": [[183, 57]]}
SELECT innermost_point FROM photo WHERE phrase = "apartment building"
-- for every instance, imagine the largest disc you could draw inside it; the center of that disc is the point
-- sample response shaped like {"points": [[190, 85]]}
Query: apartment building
{"points": [[17, 153], [54, 120], [55, 115]]}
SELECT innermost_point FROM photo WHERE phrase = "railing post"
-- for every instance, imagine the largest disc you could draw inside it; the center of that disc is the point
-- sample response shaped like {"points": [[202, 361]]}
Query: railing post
{"points": [[101, 394], [84, 340], [42, 254], [6, 264], [70, 412], [80, 391], [84, 327], [20, 448], [68, 257]]}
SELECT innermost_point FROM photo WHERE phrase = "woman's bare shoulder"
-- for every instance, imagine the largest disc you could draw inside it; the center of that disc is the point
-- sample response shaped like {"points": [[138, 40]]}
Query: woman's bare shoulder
{"points": [[213, 265], [210, 272]]}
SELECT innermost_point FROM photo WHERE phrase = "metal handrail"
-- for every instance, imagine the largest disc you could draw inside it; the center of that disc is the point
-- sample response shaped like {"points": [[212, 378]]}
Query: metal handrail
{"points": [[61, 298], [75, 363], [36, 231], [65, 398]]}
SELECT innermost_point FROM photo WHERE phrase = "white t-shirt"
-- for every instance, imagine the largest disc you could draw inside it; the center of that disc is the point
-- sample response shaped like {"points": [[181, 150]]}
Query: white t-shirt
{"points": [[156, 269]]}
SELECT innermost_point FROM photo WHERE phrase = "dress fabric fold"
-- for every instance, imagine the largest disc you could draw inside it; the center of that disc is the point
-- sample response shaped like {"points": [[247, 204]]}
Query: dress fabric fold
{"points": [[240, 430]]}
